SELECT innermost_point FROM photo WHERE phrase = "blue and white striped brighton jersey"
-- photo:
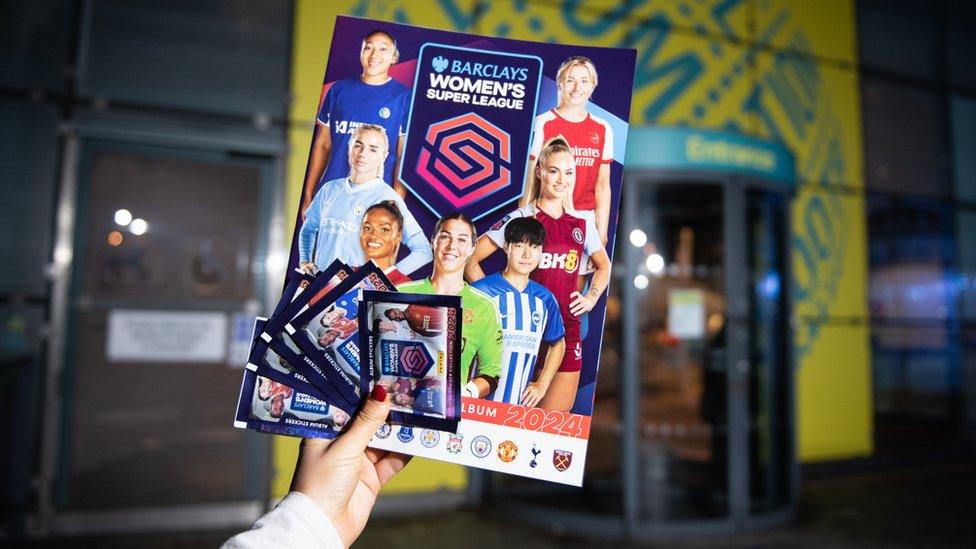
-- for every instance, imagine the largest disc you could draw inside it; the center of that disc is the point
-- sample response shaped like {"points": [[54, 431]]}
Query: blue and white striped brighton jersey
{"points": [[528, 317]]}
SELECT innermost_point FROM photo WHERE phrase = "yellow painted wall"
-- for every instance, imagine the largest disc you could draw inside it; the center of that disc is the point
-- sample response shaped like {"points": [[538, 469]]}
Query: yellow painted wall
{"points": [[780, 69]]}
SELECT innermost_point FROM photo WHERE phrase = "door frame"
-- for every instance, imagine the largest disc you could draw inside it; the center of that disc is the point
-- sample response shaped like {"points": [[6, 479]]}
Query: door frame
{"points": [[79, 141], [736, 290]]}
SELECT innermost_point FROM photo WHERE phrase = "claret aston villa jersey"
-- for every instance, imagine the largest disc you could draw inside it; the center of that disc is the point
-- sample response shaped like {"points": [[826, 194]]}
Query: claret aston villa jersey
{"points": [[569, 239]]}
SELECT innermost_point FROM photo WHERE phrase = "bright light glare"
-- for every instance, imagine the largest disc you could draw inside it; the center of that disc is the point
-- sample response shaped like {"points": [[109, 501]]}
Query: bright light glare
{"points": [[638, 238], [641, 281], [139, 226], [276, 262], [123, 217], [655, 263]]}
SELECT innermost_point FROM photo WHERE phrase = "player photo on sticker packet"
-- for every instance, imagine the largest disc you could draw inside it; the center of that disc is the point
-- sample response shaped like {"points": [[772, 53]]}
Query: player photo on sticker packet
{"points": [[294, 302], [274, 336], [271, 406], [328, 331], [411, 345], [268, 363]]}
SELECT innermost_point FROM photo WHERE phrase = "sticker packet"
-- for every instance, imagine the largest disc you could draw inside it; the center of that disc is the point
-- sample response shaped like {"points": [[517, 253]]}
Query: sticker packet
{"points": [[273, 336], [328, 331], [295, 284], [285, 349], [411, 344], [296, 300], [267, 363], [270, 406]]}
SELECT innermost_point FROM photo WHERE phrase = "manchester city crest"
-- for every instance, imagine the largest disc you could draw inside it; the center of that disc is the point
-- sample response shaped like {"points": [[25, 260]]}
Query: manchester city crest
{"points": [[481, 446]]}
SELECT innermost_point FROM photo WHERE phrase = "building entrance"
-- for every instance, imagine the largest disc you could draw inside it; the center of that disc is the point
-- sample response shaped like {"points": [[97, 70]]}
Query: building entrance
{"points": [[692, 428]]}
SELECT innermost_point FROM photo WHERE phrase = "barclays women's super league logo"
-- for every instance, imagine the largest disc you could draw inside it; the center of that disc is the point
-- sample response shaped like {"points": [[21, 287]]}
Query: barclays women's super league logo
{"points": [[471, 119]]}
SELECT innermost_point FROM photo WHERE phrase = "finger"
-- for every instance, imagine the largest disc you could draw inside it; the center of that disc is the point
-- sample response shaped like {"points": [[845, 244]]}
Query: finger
{"points": [[375, 454], [358, 431], [390, 465]]}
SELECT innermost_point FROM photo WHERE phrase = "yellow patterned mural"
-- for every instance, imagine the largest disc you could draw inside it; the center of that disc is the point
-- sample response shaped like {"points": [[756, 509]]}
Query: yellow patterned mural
{"points": [[777, 69]]}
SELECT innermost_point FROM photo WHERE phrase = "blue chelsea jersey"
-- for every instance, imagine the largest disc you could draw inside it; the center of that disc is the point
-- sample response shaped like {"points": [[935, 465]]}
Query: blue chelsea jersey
{"points": [[350, 103]]}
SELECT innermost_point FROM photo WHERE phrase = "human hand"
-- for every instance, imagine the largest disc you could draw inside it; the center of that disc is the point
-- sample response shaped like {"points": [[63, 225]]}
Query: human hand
{"points": [[533, 393], [344, 477], [580, 304], [308, 267]]}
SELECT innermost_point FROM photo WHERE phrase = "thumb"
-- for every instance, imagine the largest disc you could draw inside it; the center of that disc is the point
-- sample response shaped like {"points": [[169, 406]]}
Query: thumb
{"points": [[367, 421]]}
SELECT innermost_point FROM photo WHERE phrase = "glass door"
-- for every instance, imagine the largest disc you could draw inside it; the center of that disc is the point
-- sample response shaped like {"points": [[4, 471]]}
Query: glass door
{"points": [[679, 287], [168, 273]]}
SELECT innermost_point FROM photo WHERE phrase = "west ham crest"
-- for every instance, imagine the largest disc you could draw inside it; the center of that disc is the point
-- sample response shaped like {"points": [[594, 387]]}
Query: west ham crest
{"points": [[562, 459]]}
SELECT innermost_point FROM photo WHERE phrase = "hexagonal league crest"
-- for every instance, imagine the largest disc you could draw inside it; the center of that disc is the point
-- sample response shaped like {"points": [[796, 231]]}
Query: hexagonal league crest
{"points": [[470, 123], [405, 358]]}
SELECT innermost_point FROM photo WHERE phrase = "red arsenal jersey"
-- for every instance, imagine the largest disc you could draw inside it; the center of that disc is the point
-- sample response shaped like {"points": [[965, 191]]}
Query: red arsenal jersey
{"points": [[591, 141]]}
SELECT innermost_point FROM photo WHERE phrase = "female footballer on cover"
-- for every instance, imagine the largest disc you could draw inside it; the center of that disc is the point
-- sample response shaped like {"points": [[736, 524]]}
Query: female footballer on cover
{"points": [[333, 221], [372, 97], [380, 236], [453, 243], [569, 237], [589, 137]]}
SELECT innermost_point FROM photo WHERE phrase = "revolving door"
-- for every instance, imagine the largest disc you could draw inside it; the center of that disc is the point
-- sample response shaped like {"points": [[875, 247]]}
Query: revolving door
{"points": [[692, 430]]}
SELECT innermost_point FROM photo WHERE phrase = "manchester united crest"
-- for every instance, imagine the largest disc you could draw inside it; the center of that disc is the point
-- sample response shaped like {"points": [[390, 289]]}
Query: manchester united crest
{"points": [[562, 459], [507, 451]]}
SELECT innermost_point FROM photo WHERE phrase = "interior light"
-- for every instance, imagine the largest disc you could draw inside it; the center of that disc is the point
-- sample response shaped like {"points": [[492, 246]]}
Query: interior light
{"points": [[638, 238], [655, 263], [139, 226], [641, 281], [123, 217]]}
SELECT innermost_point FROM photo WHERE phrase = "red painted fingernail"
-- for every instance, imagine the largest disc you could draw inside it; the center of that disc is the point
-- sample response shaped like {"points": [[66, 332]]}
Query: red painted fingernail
{"points": [[378, 393]]}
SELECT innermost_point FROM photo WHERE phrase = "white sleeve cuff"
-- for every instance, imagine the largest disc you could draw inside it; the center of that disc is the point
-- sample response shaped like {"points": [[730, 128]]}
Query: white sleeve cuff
{"points": [[297, 521]]}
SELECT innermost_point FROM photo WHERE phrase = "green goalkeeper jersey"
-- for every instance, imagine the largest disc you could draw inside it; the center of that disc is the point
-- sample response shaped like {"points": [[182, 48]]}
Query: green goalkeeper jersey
{"points": [[481, 332]]}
